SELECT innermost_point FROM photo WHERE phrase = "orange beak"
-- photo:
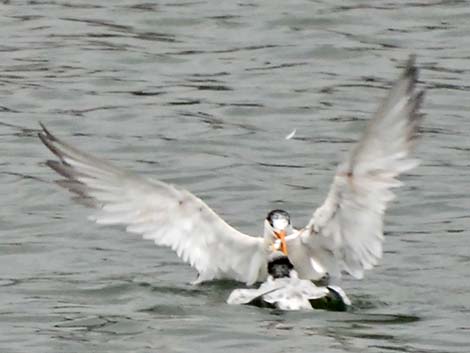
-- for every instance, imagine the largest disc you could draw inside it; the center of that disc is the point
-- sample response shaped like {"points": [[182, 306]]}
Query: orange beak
{"points": [[281, 235]]}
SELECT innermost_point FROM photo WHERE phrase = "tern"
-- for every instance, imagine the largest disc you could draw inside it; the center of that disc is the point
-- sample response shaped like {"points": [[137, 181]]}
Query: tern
{"points": [[284, 290], [344, 235]]}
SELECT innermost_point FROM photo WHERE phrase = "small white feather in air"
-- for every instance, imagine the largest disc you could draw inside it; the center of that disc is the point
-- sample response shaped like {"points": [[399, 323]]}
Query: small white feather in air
{"points": [[291, 135]]}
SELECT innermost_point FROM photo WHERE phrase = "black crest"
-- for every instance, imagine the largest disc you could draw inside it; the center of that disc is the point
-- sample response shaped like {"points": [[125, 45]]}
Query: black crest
{"points": [[276, 214], [279, 267]]}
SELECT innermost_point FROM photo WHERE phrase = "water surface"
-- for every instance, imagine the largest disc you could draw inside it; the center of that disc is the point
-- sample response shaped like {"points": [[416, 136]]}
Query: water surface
{"points": [[202, 94]]}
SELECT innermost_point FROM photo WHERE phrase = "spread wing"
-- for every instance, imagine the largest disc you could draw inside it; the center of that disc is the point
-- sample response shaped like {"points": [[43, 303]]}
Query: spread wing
{"points": [[346, 232], [158, 211], [284, 293], [244, 296]]}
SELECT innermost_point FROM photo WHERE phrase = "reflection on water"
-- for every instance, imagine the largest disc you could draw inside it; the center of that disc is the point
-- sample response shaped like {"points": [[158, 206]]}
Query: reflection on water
{"points": [[203, 96]]}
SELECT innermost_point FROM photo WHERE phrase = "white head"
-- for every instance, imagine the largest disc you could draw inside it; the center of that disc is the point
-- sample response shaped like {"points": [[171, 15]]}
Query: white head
{"points": [[276, 226]]}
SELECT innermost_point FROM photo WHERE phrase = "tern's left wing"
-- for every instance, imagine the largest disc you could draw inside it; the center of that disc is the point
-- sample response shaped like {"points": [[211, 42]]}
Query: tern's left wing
{"points": [[168, 215], [346, 232]]}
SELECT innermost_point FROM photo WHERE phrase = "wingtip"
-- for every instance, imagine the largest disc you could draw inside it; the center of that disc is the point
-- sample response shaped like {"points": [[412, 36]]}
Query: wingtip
{"points": [[45, 132], [49, 141], [415, 117], [420, 96], [59, 167], [418, 100], [411, 60], [42, 136], [411, 70]]}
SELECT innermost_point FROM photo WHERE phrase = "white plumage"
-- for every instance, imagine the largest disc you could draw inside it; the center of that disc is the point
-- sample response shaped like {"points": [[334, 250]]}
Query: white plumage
{"points": [[289, 293], [283, 289], [344, 235], [286, 291]]}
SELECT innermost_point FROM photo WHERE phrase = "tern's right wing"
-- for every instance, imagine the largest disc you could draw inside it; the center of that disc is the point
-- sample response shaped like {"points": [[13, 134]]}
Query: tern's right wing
{"points": [[158, 211]]}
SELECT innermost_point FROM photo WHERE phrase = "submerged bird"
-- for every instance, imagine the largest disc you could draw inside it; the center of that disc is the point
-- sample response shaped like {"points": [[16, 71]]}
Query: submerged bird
{"points": [[345, 234], [284, 290]]}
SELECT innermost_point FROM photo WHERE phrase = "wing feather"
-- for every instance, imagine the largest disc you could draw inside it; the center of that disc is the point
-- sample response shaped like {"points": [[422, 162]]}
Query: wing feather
{"points": [[346, 232], [168, 215]]}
